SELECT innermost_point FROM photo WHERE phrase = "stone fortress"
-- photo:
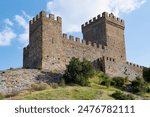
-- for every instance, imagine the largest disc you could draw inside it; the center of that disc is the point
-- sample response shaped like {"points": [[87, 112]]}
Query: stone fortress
{"points": [[103, 44]]}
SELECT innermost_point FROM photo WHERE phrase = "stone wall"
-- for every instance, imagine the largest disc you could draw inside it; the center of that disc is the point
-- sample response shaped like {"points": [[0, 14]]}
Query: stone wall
{"points": [[103, 44], [85, 49], [110, 66], [133, 70]]}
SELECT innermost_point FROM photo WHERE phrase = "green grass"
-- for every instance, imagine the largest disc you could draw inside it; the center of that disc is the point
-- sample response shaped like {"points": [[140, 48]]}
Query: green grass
{"points": [[1, 96], [67, 93], [4, 71], [95, 92]]}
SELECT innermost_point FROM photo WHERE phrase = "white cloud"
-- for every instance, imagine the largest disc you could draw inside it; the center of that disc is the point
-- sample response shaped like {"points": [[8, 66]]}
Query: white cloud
{"points": [[23, 22], [125, 6], [8, 22], [9, 32], [26, 15], [6, 36], [76, 12]]}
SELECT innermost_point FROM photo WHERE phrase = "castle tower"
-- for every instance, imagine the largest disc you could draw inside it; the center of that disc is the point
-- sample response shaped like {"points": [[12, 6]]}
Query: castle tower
{"points": [[108, 31], [44, 49], [51, 42], [31, 58]]}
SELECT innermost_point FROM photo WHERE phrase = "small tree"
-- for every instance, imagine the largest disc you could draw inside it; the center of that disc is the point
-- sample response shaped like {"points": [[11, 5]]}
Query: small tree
{"points": [[146, 74], [106, 81], [119, 82], [118, 95], [78, 72], [139, 86], [87, 68]]}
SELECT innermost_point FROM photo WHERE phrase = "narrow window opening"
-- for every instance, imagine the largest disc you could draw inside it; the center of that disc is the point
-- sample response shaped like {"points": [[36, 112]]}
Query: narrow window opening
{"points": [[52, 41]]}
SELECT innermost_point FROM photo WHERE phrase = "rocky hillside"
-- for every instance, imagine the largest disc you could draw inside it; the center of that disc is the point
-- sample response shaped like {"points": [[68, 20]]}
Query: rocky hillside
{"points": [[16, 80]]}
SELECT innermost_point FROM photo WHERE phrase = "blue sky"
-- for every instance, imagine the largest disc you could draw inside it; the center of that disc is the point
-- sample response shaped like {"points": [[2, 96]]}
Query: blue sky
{"points": [[15, 15]]}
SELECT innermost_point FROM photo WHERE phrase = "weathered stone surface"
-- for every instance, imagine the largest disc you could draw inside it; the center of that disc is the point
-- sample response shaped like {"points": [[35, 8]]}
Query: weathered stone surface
{"points": [[103, 44], [16, 80]]}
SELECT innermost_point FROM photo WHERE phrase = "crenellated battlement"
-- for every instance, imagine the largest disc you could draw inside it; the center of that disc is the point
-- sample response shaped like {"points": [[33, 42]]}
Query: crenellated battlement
{"points": [[26, 48], [71, 38], [134, 65], [43, 14], [91, 21], [105, 15], [64, 35], [77, 40], [83, 42]]}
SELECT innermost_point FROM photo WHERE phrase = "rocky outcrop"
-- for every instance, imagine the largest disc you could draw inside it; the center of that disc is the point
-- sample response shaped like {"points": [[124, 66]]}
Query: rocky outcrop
{"points": [[16, 80]]}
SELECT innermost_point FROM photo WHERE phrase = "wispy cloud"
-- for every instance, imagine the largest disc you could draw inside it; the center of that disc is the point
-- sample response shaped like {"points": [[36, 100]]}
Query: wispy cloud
{"points": [[6, 36], [26, 15], [23, 22], [76, 12], [8, 22], [9, 32]]}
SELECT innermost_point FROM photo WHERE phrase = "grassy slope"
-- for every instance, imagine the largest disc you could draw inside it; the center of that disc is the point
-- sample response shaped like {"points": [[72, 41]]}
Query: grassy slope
{"points": [[95, 92], [68, 93]]}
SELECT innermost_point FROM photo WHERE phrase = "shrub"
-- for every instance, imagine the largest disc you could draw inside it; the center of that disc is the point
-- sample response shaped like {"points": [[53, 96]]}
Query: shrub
{"points": [[122, 96], [39, 86], [87, 68], [1, 96], [146, 74], [54, 85], [148, 90], [98, 77], [139, 86], [118, 82], [78, 72], [104, 80], [62, 83]]}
